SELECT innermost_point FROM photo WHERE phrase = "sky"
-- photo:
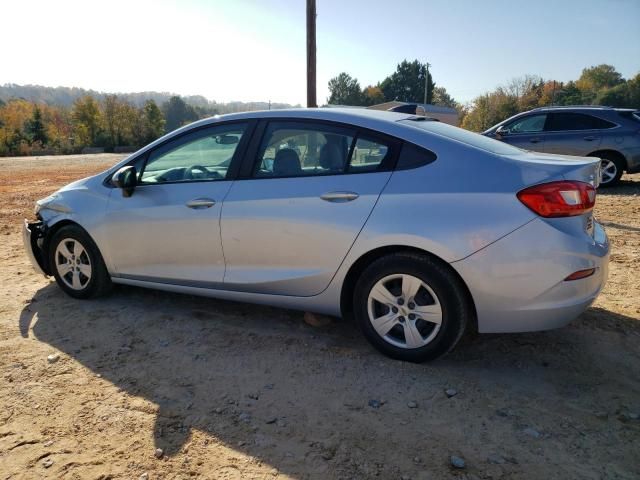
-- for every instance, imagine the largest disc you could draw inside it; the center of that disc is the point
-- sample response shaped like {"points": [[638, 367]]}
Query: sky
{"points": [[256, 50]]}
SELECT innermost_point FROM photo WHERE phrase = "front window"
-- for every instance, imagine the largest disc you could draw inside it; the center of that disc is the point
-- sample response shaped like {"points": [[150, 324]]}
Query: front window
{"points": [[529, 124], [202, 155]]}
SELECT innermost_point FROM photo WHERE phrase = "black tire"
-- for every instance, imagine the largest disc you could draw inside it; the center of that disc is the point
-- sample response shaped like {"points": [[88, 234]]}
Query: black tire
{"points": [[619, 164], [452, 295], [99, 281]]}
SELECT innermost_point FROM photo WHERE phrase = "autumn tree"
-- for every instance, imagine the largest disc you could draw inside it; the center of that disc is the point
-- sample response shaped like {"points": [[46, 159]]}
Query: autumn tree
{"points": [[87, 121], [372, 95], [13, 118], [594, 79]]}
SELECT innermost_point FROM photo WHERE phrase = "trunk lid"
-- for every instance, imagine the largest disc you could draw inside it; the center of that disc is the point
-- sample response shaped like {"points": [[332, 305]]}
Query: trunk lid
{"points": [[567, 167]]}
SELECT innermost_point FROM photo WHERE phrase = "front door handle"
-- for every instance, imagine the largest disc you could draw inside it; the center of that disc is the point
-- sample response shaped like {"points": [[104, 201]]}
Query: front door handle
{"points": [[590, 138], [339, 197], [201, 203], [535, 140]]}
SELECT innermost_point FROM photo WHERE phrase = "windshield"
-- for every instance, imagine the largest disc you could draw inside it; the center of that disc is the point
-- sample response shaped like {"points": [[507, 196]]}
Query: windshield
{"points": [[464, 136]]}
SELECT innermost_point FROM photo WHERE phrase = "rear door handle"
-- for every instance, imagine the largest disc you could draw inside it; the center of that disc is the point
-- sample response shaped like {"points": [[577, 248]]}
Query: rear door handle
{"points": [[590, 139], [201, 203], [535, 140], [339, 197]]}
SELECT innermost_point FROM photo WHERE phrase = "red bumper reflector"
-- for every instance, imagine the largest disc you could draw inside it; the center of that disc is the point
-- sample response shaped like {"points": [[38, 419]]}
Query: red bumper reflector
{"points": [[580, 274]]}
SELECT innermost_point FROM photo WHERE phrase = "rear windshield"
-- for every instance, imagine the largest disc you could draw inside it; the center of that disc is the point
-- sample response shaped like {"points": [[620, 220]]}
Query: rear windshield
{"points": [[464, 136]]}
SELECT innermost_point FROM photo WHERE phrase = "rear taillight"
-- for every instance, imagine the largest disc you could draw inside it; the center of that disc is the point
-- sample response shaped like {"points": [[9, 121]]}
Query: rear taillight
{"points": [[559, 199]]}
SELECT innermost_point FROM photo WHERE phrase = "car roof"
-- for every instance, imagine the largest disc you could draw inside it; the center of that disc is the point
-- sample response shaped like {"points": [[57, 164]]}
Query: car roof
{"points": [[579, 108], [356, 116]]}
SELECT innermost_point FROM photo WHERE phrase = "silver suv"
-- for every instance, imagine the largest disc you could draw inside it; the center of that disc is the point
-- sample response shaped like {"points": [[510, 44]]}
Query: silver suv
{"points": [[612, 134]]}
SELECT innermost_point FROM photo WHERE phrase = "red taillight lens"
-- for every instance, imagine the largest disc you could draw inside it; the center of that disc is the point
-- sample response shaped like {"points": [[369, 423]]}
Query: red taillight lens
{"points": [[559, 199]]}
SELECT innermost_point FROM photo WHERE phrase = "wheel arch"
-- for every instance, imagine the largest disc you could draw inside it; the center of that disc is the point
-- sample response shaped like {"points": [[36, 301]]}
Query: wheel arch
{"points": [[50, 232], [356, 269]]}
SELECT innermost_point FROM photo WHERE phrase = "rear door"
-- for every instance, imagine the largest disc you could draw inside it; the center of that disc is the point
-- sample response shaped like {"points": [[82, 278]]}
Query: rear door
{"points": [[307, 191], [527, 132], [572, 133]]}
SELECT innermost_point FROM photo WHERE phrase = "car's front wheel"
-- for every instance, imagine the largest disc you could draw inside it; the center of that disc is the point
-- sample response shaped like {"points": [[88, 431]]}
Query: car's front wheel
{"points": [[76, 263], [411, 307]]}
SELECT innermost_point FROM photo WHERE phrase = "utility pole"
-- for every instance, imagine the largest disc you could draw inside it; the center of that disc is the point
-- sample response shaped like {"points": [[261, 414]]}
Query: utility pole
{"points": [[426, 82], [311, 54], [553, 93]]}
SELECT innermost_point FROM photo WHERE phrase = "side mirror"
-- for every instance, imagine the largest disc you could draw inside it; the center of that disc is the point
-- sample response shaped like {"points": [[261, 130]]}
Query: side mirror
{"points": [[502, 131], [126, 180]]}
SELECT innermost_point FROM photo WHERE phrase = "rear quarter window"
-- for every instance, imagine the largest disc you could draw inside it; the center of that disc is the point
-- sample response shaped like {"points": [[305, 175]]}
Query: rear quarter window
{"points": [[413, 156], [567, 121]]}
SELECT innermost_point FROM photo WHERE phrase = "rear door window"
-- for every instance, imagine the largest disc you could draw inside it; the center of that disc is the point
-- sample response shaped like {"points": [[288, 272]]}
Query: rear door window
{"points": [[301, 149]]}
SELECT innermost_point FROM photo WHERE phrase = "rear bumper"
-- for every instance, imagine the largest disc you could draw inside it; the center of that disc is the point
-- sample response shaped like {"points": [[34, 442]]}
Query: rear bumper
{"points": [[32, 235], [518, 282]]}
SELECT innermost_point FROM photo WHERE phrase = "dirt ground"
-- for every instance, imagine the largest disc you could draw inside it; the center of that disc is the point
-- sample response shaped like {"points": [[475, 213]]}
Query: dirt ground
{"points": [[230, 390]]}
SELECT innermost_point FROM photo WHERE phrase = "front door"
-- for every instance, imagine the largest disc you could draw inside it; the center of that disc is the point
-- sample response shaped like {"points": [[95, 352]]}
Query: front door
{"points": [[169, 229], [527, 133], [287, 228]]}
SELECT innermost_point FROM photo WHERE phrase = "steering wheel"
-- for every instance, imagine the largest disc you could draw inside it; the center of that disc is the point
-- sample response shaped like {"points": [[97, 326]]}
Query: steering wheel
{"points": [[188, 173]]}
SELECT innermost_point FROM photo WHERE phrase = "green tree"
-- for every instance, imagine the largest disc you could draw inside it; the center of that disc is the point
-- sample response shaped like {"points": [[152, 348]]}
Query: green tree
{"points": [[177, 113], [407, 83], [633, 89], [152, 122], [569, 94], [442, 97], [345, 90], [617, 96], [599, 77], [35, 129]]}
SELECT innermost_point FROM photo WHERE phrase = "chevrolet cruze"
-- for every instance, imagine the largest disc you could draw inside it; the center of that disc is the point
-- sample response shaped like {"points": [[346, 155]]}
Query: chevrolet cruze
{"points": [[416, 229]]}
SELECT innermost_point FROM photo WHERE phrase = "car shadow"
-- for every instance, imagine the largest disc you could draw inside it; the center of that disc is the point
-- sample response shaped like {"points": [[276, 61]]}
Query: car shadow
{"points": [[620, 226], [625, 186], [300, 398]]}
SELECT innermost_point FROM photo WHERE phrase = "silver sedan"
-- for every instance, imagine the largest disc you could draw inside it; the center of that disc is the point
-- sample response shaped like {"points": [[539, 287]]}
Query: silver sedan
{"points": [[416, 229]]}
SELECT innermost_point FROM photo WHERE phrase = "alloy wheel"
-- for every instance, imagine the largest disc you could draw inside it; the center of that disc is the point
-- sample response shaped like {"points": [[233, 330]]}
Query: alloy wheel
{"points": [[73, 264], [405, 311]]}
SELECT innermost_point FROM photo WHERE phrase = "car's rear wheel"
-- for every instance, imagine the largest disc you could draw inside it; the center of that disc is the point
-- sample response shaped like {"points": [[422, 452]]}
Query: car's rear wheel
{"points": [[612, 168], [411, 307], [76, 263]]}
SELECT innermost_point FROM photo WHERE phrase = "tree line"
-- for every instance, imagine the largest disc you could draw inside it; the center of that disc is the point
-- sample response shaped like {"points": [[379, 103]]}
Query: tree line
{"points": [[31, 126], [597, 85]]}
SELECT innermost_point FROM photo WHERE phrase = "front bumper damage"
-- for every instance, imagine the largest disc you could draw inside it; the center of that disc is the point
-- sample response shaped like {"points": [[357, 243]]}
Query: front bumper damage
{"points": [[33, 235]]}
